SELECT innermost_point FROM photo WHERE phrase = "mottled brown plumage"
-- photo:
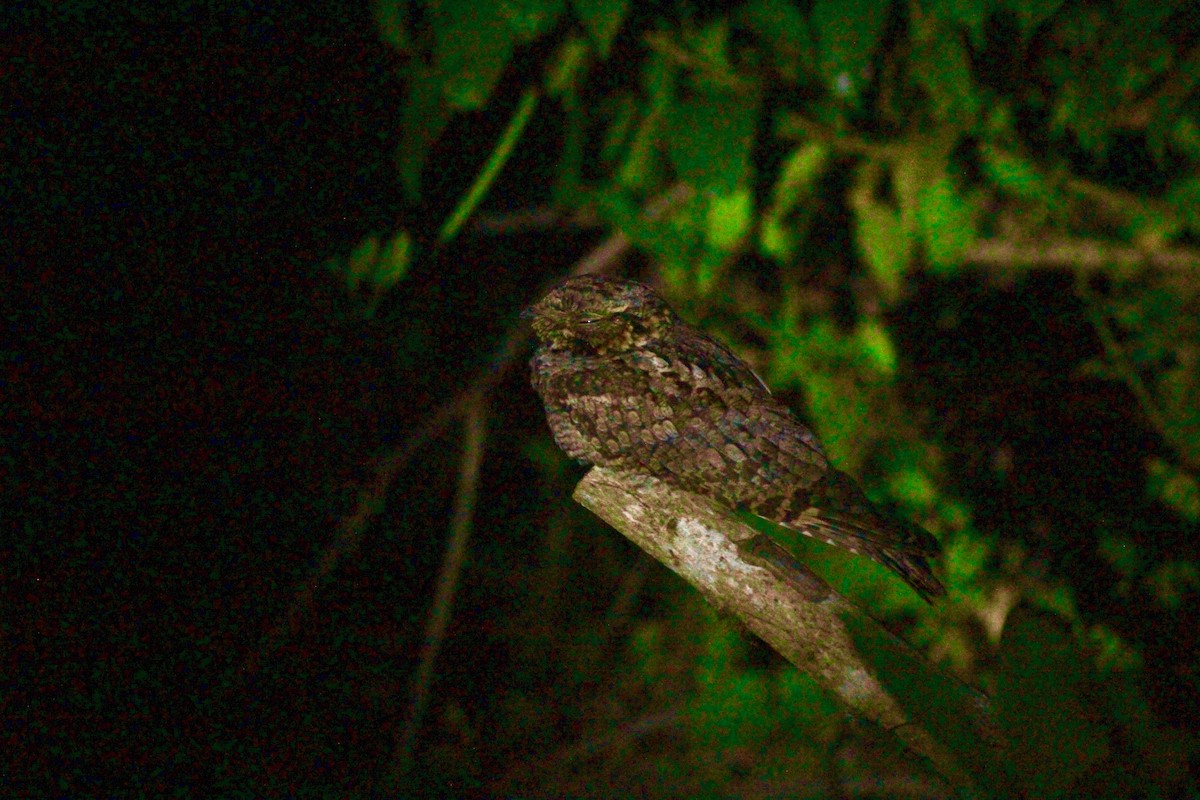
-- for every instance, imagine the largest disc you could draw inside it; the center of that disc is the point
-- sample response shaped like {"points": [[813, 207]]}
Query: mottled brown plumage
{"points": [[628, 385]]}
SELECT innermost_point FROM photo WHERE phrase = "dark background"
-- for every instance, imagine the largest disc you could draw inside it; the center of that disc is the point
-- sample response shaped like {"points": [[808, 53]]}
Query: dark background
{"points": [[191, 403]]}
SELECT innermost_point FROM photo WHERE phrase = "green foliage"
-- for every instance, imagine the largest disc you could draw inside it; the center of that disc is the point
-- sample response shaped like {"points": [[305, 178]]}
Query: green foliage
{"points": [[374, 267], [845, 155]]}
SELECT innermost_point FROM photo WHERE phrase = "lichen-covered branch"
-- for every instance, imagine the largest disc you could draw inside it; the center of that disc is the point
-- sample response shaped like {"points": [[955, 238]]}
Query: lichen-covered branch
{"points": [[788, 607]]}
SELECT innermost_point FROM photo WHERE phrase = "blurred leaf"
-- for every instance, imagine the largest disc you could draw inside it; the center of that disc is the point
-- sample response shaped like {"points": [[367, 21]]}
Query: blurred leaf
{"points": [[1176, 488], [710, 47], [565, 72], [913, 487], [1111, 653], [658, 83], [876, 344], [964, 558], [947, 224], [798, 176], [361, 262], [672, 240], [710, 137], [1172, 582], [729, 218], [847, 33], [885, 244], [496, 161], [1185, 135], [1043, 701], [601, 19], [394, 261], [529, 19], [796, 182], [473, 44], [941, 67], [1014, 174]]}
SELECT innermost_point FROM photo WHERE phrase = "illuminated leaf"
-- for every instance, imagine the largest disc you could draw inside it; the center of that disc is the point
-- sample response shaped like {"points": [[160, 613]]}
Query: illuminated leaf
{"points": [[947, 223], [885, 244], [1014, 174], [729, 218], [877, 346]]}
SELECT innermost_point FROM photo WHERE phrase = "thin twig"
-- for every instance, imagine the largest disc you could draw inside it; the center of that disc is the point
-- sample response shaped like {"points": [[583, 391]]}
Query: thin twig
{"points": [[372, 497], [1078, 255], [1120, 362], [439, 614]]}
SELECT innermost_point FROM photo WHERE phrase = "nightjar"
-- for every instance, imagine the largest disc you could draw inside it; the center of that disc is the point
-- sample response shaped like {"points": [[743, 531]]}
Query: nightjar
{"points": [[629, 386]]}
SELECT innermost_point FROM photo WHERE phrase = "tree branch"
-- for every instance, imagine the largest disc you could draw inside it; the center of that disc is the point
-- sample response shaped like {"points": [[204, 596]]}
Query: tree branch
{"points": [[787, 606], [1078, 255]]}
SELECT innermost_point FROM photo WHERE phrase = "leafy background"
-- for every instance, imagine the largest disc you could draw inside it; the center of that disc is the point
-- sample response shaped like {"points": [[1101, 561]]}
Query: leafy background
{"points": [[259, 258]]}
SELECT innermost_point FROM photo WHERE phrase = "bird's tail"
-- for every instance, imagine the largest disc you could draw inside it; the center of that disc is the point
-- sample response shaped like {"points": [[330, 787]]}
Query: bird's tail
{"points": [[915, 571]]}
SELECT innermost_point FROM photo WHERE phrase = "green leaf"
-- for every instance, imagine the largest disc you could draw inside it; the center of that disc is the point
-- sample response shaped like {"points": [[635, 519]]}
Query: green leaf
{"points": [[710, 138], [947, 223], [1173, 582], [798, 175], [797, 178], [473, 44], [941, 67], [1179, 490], [564, 72], [487, 176], [394, 261], [729, 217], [885, 244], [529, 19], [601, 19], [877, 346], [639, 166], [361, 262], [1013, 174], [847, 33]]}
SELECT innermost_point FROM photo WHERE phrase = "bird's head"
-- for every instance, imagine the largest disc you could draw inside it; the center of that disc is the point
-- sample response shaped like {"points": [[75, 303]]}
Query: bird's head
{"points": [[599, 315]]}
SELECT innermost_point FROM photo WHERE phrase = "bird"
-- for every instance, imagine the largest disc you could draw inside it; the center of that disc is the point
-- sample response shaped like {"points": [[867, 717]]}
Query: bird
{"points": [[628, 385]]}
